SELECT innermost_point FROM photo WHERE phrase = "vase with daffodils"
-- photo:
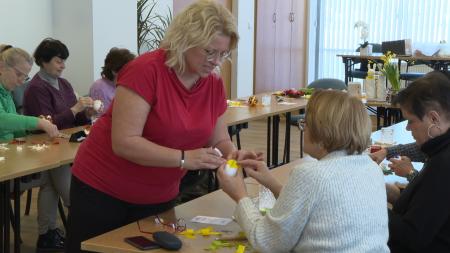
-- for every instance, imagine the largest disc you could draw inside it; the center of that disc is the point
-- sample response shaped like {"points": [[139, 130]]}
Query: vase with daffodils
{"points": [[391, 72]]}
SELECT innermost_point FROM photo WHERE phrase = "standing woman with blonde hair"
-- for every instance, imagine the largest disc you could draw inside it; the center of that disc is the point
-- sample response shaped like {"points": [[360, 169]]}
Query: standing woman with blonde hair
{"points": [[165, 119]]}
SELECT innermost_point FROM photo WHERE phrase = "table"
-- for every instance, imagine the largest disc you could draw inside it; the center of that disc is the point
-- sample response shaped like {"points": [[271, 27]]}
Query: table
{"points": [[239, 115], [437, 63], [216, 204], [26, 162], [390, 114]]}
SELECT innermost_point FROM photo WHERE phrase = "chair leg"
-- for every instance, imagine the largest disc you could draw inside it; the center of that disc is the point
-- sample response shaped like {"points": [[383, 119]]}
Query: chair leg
{"points": [[12, 218], [28, 204]]}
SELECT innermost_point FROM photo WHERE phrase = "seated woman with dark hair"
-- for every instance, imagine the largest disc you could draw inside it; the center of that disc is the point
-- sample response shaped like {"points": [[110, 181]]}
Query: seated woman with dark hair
{"points": [[104, 88], [50, 95], [336, 204], [420, 218]]}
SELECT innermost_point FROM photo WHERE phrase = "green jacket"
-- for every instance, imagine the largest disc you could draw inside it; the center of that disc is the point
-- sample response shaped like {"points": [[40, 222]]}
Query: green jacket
{"points": [[12, 124]]}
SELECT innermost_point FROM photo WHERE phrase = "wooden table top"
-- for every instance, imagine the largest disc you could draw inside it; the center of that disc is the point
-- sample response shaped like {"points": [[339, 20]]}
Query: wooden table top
{"points": [[27, 161], [237, 115], [215, 204]]}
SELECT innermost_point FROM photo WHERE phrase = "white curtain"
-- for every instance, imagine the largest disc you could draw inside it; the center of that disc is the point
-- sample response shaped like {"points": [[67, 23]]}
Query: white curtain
{"points": [[422, 21]]}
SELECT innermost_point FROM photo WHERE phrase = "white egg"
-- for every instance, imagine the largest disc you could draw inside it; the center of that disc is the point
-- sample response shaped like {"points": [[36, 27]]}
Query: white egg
{"points": [[98, 105], [230, 171]]}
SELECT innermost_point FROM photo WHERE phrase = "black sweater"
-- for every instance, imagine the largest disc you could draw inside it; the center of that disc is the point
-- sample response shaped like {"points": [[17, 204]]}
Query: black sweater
{"points": [[420, 219]]}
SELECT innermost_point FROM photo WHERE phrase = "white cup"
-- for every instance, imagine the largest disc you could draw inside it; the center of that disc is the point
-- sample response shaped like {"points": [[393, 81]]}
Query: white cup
{"points": [[354, 89], [266, 99], [387, 135]]}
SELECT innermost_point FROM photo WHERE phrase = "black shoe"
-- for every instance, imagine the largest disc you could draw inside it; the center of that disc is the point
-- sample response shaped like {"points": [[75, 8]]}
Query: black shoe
{"points": [[52, 241]]}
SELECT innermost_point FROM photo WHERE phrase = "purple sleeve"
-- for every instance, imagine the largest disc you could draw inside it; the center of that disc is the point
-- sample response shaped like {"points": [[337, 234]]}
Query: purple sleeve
{"points": [[42, 100], [37, 101]]}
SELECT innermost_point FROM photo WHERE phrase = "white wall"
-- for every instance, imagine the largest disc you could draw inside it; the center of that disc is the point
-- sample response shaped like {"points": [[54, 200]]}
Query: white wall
{"points": [[242, 70], [89, 28], [113, 28], [27, 25], [72, 24]]}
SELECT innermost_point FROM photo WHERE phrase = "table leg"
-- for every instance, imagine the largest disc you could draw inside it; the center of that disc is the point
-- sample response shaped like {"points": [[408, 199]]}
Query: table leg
{"points": [[2, 216], [5, 216], [347, 66], [269, 122], [287, 139], [275, 133]]}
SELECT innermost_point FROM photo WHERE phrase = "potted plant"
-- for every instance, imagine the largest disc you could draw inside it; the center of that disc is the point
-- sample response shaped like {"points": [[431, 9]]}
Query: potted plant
{"points": [[151, 26], [391, 72], [363, 29]]}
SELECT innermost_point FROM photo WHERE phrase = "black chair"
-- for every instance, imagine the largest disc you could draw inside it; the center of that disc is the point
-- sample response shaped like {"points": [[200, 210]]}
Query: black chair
{"points": [[324, 83]]}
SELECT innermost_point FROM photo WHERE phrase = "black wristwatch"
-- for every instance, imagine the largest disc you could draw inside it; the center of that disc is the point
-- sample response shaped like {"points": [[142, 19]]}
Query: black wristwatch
{"points": [[411, 175]]}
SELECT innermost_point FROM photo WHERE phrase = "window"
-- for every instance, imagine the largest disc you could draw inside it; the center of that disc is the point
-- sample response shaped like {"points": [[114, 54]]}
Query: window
{"points": [[421, 21]]}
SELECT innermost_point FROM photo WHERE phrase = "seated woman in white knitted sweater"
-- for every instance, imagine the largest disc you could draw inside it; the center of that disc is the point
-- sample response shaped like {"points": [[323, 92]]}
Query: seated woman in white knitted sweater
{"points": [[335, 204]]}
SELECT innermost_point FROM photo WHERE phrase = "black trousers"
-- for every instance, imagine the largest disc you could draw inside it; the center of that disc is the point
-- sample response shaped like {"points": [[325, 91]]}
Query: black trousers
{"points": [[93, 213]]}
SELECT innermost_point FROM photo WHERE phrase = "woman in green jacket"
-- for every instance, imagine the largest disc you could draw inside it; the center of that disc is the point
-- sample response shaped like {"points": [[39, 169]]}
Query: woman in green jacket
{"points": [[15, 64]]}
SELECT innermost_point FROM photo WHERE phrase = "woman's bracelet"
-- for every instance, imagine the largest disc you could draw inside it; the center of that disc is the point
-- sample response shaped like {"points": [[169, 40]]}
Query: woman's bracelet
{"points": [[182, 159]]}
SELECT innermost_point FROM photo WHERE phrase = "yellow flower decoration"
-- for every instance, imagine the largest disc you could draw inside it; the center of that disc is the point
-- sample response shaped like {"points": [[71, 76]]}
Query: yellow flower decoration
{"points": [[188, 233], [207, 231], [240, 249]]}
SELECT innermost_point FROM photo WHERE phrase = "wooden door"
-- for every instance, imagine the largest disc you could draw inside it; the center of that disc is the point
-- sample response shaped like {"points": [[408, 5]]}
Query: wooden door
{"points": [[280, 46], [265, 45], [299, 48], [283, 53]]}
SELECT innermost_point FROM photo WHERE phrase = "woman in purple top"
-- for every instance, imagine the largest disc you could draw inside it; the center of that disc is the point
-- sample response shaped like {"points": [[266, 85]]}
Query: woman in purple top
{"points": [[104, 88], [49, 94]]}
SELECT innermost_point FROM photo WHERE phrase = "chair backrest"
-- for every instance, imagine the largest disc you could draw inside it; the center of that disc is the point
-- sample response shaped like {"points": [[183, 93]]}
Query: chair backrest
{"points": [[376, 48], [18, 97], [328, 83]]}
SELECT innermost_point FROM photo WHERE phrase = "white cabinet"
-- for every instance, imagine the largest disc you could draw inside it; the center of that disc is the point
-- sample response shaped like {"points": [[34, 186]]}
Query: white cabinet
{"points": [[280, 44]]}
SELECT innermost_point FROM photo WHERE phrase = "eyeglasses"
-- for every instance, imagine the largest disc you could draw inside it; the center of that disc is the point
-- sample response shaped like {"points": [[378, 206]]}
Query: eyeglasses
{"points": [[21, 75], [178, 226], [211, 55], [301, 124]]}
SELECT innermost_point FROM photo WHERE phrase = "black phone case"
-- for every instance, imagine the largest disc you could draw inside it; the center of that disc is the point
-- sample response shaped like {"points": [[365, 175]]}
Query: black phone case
{"points": [[145, 244]]}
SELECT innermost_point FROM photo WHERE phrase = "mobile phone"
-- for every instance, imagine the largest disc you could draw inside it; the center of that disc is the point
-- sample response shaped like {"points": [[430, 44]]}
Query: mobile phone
{"points": [[142, 243]]}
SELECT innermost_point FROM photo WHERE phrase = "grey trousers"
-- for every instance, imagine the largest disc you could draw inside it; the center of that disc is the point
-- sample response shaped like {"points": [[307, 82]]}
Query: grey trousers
{"points": [[53, 183]]}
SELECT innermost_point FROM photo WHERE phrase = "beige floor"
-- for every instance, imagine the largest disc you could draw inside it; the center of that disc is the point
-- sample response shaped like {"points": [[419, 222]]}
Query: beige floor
{"points": [[253, 138]]}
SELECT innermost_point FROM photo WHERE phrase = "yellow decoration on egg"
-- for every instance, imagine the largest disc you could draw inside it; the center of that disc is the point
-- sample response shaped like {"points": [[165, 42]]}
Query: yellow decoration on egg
{"points": [[232, 163]]}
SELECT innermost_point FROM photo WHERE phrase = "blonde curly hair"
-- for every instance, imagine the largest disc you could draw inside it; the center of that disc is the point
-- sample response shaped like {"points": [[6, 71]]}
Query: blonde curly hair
{"points": [[197, 26]]}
